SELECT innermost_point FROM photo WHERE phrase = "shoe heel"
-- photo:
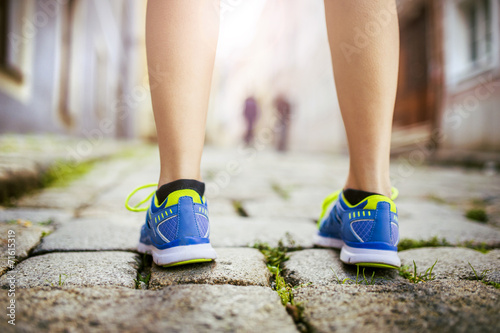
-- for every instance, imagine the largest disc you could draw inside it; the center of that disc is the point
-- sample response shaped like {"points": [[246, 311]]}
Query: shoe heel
{"points": [[369, 257]]}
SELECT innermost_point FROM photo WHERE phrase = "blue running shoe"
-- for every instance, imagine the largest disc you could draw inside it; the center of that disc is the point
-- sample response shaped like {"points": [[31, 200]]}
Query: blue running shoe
{"points": [[176, 231], [367, 233]]}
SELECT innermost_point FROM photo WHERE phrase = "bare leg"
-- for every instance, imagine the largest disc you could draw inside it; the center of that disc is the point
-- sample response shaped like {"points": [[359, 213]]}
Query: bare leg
{"points": [[366, 79], [181, 39]]}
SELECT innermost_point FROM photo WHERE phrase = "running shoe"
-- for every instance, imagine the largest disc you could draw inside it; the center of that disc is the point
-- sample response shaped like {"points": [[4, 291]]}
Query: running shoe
{"points": [[367, 233], [176, 231]]}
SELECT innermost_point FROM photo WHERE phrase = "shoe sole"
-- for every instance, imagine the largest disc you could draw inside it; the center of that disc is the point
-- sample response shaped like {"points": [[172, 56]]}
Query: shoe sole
{"points": [[370, 258], [179, 255], [327, 242]]}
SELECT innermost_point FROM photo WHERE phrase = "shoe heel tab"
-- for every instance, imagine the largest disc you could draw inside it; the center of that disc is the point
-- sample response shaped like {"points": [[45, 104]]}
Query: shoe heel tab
{"points": [[373, 202], [173, 198]]}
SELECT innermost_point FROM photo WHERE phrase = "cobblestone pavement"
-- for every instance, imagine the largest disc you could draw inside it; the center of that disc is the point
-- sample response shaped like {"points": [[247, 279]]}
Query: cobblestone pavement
{"points": [[77, 270]]}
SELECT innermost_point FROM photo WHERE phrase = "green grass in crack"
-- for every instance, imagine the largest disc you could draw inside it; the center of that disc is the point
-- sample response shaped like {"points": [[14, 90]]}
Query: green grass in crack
{"points": [[406, 244], [366, 281], [477, 214], [239, 209], [61, 281], [436, 199], [481, 277], [46, 223], [143, 270], [63, 172], [284, 290], [274, 257], [283, 192], [413, 276], [142, 278], [481, 247]]}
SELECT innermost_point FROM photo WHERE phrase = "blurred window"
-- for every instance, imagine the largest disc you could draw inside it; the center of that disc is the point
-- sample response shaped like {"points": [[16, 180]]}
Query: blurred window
{"points": [[11, 38], [3, 30], [478, 21]]}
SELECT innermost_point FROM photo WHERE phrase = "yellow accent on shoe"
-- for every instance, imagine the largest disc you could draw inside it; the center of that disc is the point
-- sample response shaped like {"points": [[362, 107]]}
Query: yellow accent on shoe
{"points": [[373, 200], [193, 261], [329, 200], [173, 198], [376, 265]]}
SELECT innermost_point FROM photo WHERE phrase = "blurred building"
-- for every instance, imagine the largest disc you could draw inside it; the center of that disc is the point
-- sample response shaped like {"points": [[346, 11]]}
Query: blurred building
{"points": [[78, 67], [449, 85], [73, 67]]}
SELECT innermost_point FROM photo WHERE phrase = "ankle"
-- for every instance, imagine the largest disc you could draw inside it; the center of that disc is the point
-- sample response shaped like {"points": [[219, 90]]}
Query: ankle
{"points": [[172, 178], [383, 188]]}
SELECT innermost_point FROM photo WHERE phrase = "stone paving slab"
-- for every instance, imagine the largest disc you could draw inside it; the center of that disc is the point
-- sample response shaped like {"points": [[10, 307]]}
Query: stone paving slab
{"points": [[35, 215], [236, 266], [75, 269], [25, 158], [323, 267], [449, 183], [142, 170], [241, 189], [279, 208], [436, 306], [421, 219], [186, 308], [221, 207], [105, 233], [25, 237], [453, 263], [245, 231], [82, 191]]}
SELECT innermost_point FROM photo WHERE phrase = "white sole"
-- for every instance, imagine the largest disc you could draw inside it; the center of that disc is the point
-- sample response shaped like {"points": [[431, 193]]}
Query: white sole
{"points": [[327, 241], [353, 255], [179, 254]]}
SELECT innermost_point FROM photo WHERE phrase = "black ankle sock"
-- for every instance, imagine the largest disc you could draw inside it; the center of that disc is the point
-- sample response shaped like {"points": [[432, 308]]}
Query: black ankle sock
{"points": [[354, 197], [181, 184]]}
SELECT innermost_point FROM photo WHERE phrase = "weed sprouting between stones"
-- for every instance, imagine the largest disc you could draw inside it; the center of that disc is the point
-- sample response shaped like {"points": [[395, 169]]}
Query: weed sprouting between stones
{"points": [[239, 209], [141, 278], [477, 214], [358, 280], [63, 172], [481, 247], [415, 277], [408, 244], [274, 257], [143, 271], [61, 281], [283, 192], [481, 277]]}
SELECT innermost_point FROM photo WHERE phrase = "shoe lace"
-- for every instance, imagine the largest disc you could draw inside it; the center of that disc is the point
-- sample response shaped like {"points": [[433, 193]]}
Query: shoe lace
{"points": [[137, 207], [394, 193]]}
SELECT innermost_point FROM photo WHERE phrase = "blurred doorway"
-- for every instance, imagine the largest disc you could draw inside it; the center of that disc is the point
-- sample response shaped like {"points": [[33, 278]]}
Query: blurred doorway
{"points": [[417, 97], [415, 104]]}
